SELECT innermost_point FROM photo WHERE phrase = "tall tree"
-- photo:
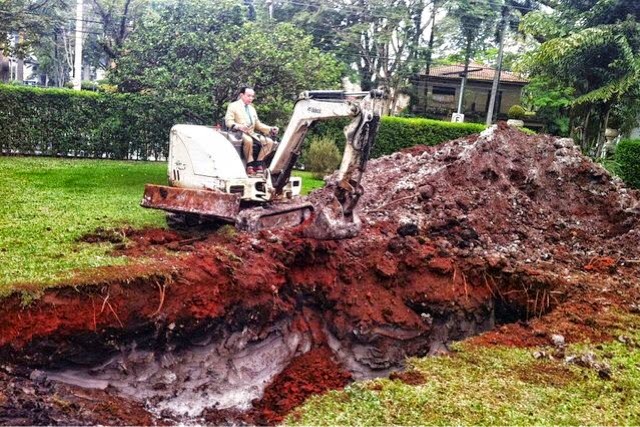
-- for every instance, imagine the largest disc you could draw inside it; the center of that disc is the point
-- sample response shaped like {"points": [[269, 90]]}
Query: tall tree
{"points": [[592, 46], [28, 19], [381, 39], [203, 51], [116, 19]]}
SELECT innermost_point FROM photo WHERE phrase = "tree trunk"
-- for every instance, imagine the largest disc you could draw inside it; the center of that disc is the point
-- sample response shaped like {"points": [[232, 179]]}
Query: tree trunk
{"points": [[594, 146], [5, 68], [572, 122], [20, 69], [86, 72], [585, 133], [430, 51], [601, 131], [365, 79]]}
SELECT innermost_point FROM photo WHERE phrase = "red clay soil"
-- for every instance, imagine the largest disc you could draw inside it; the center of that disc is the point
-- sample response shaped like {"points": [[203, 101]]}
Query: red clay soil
{"points": [[521, 225], [408, 377], [312, 373]]}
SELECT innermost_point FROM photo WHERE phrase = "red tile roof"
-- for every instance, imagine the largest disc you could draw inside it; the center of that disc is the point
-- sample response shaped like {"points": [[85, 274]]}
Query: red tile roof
{"points": [[476, 72]]}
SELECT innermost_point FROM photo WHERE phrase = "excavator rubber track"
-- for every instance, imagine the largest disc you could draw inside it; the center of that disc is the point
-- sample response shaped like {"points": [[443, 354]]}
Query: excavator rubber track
{"points": [[274, 215]]}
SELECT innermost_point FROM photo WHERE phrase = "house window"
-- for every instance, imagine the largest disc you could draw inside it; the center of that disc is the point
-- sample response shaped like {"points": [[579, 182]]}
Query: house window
{"points": [[444, 94]]}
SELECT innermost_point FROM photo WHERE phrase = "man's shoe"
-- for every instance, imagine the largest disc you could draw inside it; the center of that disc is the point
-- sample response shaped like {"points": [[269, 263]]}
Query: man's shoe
{"points": [[250, 170], [259, 170]]}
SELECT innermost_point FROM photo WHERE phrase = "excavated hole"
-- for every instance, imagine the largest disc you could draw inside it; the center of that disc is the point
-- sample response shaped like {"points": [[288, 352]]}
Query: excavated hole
{"points": [[181, 375], [251, 319]]}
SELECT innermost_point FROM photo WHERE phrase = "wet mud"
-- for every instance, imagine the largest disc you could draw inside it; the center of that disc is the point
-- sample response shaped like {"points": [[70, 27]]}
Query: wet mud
{"points": [[503, 237]]}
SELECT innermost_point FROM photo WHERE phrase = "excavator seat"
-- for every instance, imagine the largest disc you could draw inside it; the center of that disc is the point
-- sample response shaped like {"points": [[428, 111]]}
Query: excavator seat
{"points": [[235, 138]]}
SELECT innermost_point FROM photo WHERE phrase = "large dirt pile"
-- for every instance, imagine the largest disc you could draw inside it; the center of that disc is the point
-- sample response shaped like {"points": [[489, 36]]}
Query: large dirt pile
{"points": [[505, 195], [498, 228]]}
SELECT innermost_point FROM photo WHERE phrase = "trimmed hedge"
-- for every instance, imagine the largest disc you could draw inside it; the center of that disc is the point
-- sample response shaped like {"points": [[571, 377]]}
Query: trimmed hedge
{"points": [[628, 159], [397, 133], [63, 122]]}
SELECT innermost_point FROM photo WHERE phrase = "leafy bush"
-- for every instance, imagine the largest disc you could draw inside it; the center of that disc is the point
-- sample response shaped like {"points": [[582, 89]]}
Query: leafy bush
{"points": [[323, 157], [88, 85], [516, 112], [62, 122], [628, 160]]}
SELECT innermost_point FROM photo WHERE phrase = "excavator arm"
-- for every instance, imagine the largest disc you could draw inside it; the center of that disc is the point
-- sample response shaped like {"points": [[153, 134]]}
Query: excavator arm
{"points": [[315, 106], [336, 219]]}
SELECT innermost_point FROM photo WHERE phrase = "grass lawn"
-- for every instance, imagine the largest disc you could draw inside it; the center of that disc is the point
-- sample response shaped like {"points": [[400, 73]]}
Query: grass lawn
{"points": [[49, 203], [309, 183], [494, 386]]}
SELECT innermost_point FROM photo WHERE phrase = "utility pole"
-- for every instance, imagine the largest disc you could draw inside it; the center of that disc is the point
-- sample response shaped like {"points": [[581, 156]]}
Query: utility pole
{"points": [[77, 63], [20, 58], [459, 116], [462, 85], [504, 23], [270, 8]]}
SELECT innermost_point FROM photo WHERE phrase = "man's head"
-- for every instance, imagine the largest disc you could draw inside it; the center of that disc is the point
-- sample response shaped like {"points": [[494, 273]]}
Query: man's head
{"points": [[247, 95]]}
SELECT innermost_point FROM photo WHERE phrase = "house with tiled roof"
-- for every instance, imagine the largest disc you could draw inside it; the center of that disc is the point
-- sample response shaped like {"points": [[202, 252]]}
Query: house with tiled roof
{"points": [[437, 93]]}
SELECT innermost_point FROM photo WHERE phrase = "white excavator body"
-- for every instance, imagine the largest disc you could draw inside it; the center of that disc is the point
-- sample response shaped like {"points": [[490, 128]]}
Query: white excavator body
{"points": [[204, 158]]}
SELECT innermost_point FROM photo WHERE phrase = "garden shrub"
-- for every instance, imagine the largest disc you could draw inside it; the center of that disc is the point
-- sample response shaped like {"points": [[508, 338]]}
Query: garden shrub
{"points": [[397, 133], [322, 157], [516, 112], [628, 160]]}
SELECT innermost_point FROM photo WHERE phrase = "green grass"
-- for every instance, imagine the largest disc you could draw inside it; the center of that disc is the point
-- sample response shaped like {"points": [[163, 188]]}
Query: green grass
{"points": [[309, 183], [492, 386], [49, 203]]}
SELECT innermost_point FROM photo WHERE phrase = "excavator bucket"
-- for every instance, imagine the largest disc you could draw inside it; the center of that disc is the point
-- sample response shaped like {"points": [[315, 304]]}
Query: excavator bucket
{"points": [[275, 215], [331, 223]]}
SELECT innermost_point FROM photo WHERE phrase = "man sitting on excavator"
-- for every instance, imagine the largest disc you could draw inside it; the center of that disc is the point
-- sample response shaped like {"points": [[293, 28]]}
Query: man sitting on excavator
{"points": [[242, 117]]}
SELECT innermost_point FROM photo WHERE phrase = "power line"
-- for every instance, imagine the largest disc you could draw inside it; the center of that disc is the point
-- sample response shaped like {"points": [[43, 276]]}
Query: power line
{"points": [[364, 8], [54, 18], [336, 7], [353, 8]]}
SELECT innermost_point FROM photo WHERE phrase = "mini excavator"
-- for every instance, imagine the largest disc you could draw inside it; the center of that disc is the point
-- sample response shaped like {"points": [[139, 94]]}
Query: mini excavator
{"points": [[208, 180]]}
